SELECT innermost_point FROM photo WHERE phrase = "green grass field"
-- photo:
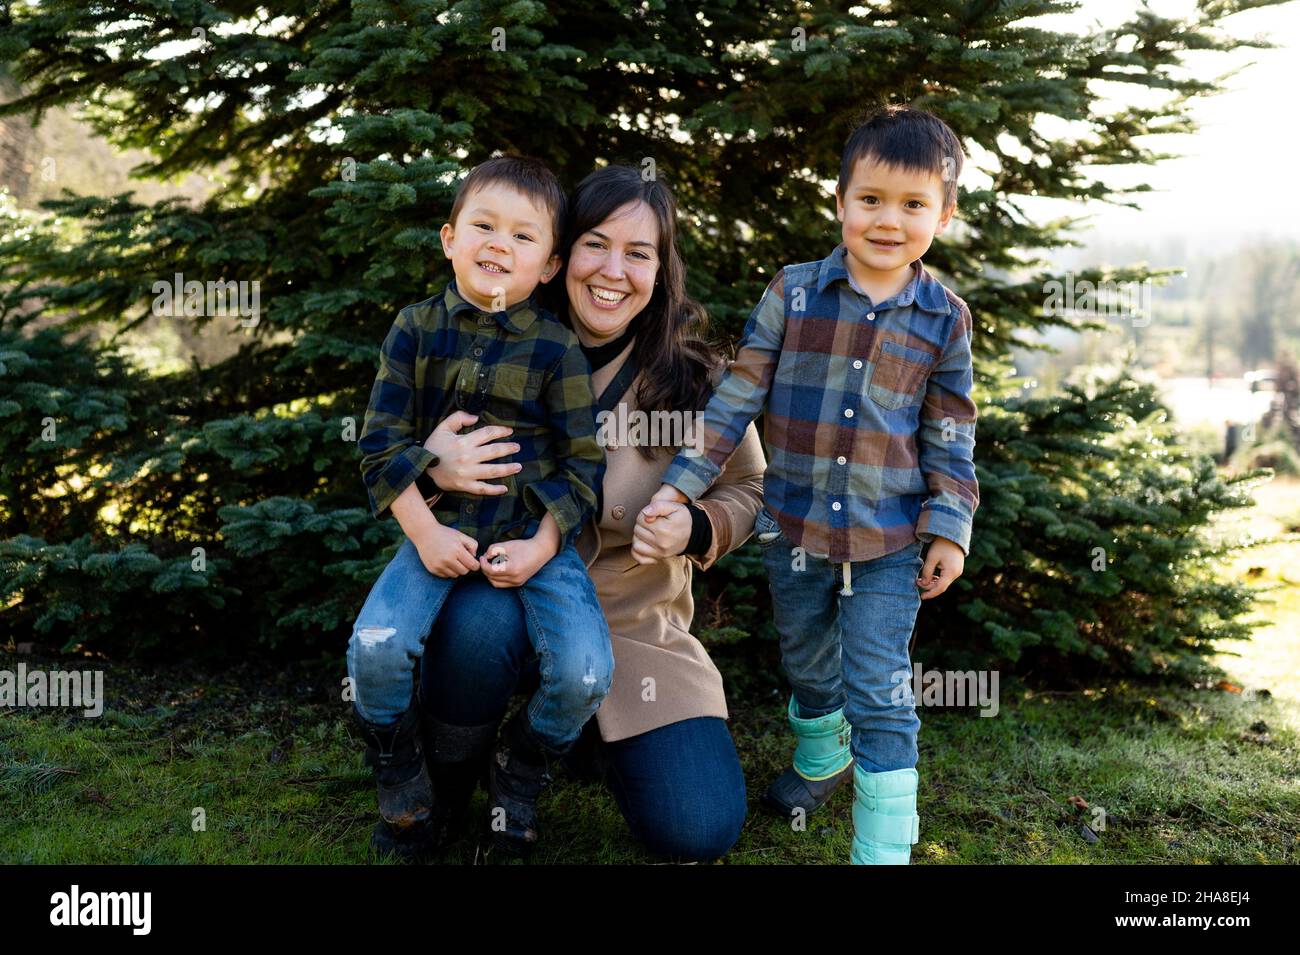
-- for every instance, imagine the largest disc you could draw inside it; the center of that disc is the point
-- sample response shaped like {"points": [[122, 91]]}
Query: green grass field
{"points": [[1116, 774]]}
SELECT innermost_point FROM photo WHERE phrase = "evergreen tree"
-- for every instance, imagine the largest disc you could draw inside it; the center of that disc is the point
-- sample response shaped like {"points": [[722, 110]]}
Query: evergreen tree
{"points": [[335, 132]]}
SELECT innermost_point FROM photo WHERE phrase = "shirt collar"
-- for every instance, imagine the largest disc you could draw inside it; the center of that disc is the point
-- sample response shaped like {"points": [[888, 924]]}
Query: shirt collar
{"points": [[924, 290], [516, 318]]}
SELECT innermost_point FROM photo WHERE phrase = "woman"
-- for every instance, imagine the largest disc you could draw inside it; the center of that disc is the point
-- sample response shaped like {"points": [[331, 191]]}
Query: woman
{"points": [[668, 755]]}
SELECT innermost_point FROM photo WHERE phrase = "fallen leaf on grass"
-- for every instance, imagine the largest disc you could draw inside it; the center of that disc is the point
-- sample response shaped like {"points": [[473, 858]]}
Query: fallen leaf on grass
{"points": [[1078, 802]]}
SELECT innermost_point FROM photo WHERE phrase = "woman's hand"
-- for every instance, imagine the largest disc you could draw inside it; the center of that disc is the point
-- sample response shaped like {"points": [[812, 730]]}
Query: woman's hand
{"points": [[948, 555], [663, 529], [461, 458]]}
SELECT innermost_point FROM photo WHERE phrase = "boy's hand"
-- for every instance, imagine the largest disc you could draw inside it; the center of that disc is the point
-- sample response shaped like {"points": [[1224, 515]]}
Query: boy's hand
{"points": [[669, 493], [523, 557], [948, 556], [663, 529], [445, 551], [461, 458]]}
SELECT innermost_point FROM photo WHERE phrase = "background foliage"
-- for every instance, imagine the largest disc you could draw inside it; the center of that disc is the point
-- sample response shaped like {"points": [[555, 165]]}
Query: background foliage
{"points": [[335, 131]]}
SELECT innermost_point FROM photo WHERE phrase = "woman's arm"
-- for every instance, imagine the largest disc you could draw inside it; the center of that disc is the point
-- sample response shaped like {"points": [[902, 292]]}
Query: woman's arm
{"points": [[734, 500]]}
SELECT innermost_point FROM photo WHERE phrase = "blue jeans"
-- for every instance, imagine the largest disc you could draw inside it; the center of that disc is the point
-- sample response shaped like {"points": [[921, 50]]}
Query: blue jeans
{"points": [[560, 618], [849, 651], [680, 787]]}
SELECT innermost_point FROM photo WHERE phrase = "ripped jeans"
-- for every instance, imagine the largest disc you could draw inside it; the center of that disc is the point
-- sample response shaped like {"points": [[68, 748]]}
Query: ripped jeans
{"points": [[566, 628]]}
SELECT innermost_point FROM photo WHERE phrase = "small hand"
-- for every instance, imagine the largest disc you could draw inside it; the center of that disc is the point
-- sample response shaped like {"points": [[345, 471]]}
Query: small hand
{"points": [[663, 529], [950, 560], [669, 493], [523, 558], [446, 552], [461, 458]]}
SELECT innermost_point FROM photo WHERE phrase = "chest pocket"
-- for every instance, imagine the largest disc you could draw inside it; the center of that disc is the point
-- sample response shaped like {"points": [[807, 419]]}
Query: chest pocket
{"points": [[514, 392], [898, 375]]}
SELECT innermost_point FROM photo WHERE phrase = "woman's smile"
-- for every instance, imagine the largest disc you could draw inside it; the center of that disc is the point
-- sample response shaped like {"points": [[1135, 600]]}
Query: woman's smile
{"points": [[606, 298]]}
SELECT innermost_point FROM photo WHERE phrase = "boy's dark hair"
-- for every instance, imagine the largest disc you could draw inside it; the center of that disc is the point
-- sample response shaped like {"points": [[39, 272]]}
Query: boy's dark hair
{"points": [[909, 139], [530, 176]]}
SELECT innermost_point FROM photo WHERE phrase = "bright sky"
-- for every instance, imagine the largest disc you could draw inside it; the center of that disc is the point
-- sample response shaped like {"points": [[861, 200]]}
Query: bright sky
{"points": [[1236, 181]]}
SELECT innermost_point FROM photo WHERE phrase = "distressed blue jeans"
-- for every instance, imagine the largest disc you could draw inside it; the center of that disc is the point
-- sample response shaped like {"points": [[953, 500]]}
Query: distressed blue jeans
{"points": [[563, 622], [849, 651], [680, 787]]}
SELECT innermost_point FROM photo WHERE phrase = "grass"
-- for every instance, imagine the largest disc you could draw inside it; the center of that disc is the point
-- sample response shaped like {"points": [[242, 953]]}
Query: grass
{"points": [[1117, 774]]}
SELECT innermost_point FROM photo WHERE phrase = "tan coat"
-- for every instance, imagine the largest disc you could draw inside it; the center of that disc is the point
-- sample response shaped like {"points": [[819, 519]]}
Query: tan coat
{"points": [[662, 674]]}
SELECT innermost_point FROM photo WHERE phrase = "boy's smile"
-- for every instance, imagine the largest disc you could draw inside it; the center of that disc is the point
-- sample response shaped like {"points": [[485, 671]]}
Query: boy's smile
{"points": [[890, 216], [500, 247]]}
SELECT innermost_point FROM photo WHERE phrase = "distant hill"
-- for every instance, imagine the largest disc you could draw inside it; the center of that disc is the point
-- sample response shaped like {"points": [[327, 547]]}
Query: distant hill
{"points": [[65, 153]]}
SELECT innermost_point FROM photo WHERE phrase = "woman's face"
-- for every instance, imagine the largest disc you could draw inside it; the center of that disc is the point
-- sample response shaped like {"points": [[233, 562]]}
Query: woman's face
{"points": [[612, 271]]}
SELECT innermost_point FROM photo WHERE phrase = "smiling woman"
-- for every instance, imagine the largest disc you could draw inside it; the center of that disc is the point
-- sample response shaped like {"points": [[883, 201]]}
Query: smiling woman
{"points": [[660, 736]]}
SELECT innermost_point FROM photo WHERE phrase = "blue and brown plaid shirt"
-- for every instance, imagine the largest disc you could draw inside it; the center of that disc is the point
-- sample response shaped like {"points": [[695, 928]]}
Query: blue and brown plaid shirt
{"points": [[520, 368], [869, 423]]}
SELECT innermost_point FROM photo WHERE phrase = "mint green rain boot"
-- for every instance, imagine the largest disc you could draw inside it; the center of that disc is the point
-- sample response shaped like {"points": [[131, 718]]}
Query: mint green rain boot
{"points": [[885, 823], [822, 764]]}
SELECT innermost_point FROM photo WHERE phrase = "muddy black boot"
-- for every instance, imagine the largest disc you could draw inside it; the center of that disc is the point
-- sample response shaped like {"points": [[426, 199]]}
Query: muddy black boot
{"points": [[522, 766], [457, 759], [406, 805]]}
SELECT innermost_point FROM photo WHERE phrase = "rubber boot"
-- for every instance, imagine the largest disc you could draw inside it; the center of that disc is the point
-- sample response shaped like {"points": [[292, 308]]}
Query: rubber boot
{"points": [[822, 764], [885, 823], [457, 760], [406, 805], [522, 766]]}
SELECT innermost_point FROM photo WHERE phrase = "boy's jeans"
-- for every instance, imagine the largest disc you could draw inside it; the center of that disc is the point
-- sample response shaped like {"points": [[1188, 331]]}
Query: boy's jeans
{"points": [[849, 651], [565, 626]]}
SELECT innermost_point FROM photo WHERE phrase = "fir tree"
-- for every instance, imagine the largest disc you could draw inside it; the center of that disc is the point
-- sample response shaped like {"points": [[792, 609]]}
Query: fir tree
{"points": [[336, 131]]}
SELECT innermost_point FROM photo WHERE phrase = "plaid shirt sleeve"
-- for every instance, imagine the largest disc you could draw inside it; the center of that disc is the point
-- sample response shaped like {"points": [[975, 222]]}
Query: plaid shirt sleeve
{"points": [[739, 397], [946, 442], [393, 455], [571, 495]]}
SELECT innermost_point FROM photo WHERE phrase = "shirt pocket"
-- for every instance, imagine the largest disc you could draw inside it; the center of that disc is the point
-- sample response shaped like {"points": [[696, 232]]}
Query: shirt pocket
{"points": [[898, 374], [514, 394]]}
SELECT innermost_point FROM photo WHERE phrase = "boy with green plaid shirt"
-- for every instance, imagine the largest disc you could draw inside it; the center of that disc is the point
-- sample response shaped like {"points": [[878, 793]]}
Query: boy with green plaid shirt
{"points": [[485, 348]]}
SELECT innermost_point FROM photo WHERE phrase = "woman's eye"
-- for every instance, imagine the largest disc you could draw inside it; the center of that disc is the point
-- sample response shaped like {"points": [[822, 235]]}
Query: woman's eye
{"points": [[593, 244], [642, 256]]}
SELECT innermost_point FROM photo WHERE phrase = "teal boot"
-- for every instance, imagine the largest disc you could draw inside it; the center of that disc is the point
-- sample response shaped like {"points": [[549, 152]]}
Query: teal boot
{"points": [[885, 823], [822, 764]]}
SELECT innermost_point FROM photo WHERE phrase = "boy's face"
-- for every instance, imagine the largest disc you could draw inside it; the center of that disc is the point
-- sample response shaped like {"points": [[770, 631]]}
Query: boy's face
{"points": [[500, 247], [890, 216]]}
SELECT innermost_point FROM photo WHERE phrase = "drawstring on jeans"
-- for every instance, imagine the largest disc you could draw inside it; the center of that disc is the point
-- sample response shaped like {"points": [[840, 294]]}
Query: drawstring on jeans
{"points": [[847, 589]]}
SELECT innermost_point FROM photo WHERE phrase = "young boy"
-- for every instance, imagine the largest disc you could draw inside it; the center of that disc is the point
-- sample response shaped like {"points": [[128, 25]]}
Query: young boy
{"points": [[862, 362], [482, 347]]}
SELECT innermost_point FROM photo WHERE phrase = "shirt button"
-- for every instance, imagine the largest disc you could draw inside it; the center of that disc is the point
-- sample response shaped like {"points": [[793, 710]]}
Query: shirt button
{"points": [[848, 412], [478, 352], [871, 316], [841, 460], [618, 511], [857, 363], [835, 505], [469, 508]]}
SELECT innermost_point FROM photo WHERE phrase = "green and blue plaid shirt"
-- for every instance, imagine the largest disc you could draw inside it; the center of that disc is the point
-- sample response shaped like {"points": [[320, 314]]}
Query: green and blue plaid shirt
{"points": [[520, 368], [869, 420]]}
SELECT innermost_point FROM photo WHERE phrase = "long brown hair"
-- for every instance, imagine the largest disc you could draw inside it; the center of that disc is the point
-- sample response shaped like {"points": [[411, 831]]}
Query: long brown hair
{"points": [[670, 348]]}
